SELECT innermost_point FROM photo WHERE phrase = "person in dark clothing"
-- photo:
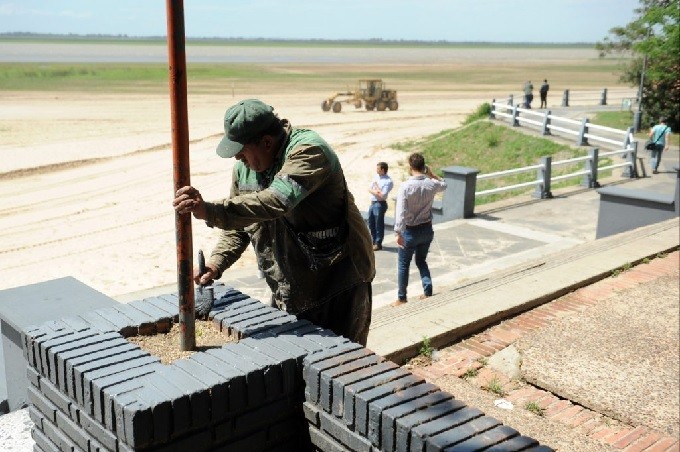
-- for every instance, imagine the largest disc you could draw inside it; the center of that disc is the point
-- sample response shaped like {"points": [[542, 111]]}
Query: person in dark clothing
{"points": [[290, 200], [543, 91]]}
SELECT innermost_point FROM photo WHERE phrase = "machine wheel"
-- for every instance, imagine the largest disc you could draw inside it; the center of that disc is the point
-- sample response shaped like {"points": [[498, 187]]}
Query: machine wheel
{"points": [[370, 106], [381, 106], [325, 105], [337, 106], [393, 105]]}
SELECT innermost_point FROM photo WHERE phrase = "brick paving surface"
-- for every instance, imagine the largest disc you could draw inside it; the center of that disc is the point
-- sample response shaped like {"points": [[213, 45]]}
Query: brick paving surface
{"points": [[468, 359]]}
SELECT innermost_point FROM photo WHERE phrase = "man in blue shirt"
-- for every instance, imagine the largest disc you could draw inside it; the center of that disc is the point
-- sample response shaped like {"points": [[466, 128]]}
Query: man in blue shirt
{"points": [[379, 189], [413, 224], [661, 136]]}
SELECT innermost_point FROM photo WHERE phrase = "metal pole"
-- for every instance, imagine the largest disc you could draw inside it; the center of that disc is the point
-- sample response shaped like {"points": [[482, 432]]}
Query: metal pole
{"points": [[180, 161], [637, 118]]}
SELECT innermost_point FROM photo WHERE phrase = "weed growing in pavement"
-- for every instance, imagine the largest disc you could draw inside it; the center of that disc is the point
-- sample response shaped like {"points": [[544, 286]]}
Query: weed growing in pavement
{"points": [[646, 260], [534, 408], [625, 267], [495, 386], [483, 360], [426, 349], [661, 255], [470, 373]]}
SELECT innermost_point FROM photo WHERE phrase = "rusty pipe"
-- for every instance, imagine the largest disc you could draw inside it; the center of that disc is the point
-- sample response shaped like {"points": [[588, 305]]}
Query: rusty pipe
{"points": [[181, 172]]}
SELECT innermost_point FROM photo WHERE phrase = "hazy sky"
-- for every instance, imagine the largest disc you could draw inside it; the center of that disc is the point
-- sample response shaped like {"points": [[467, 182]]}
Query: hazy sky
{"points": [[429, 20]]}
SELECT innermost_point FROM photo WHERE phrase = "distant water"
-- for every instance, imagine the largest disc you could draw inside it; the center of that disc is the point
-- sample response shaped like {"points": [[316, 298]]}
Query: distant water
{"points": [[37, 52]]}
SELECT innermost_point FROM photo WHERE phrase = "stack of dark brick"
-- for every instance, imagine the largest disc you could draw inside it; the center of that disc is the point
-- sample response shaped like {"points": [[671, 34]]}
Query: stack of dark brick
{"points": [[286, 385]]}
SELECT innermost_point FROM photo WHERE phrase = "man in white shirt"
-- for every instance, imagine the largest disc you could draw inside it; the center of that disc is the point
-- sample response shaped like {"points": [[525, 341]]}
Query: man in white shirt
{"points": [[413, 224], [379, 189]]}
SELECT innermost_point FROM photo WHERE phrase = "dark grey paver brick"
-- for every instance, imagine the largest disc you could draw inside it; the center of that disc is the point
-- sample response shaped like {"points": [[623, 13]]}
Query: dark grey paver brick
{"points": [[72, 430], [514, 444], [314, 367], [311, 413], [169, 307], [199, 394], [327, 376], [264, 415], [145, 323], [98, 322], [238, 392], [162, 318], [104, 341], [254, 375], [219, 386], [63, 343], [272, 369], [42, 441], [95, 382], [444, 440], [103, 405], [420, 433], [407, 423], [340, 432], [391, 415], [55, 396], [97, 430], [485, 439], [76, 323], [42, 403], [78, 341], [372, 375], [179, 400], [351, 391], [134, 420], [288, 360], [391, 384], [36, 416], [33, 376], [325, 442], [376, 407], [59, 438], [123, 324], [73, 380]]}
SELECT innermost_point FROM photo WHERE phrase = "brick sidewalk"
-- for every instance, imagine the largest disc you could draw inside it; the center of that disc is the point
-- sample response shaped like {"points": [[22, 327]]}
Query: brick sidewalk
{"points": [[468, 359]]}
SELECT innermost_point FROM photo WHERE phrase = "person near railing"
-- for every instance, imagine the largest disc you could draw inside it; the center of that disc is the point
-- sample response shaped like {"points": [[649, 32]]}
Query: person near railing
{"points": [[543, 91], [528, 94], [660, 135]]}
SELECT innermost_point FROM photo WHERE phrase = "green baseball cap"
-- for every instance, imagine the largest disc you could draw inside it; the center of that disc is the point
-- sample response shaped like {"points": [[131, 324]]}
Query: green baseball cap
{"points": [[243, 122]]}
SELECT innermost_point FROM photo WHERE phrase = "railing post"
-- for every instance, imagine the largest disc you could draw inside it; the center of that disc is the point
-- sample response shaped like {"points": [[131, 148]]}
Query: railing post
{"points": [[459, 197], [543, 176], [603, 97], [637, 121], [631, 156], [582, 140], [546, 123], [565, 98], [510, 100], [628, 140], [492, 113], [515, 122], [590, 179]]}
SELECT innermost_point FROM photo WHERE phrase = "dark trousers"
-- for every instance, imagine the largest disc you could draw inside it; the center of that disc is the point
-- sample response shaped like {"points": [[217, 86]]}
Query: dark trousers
{"points": [[417, 240], [544, 100], [347, 314], [376, 220]]}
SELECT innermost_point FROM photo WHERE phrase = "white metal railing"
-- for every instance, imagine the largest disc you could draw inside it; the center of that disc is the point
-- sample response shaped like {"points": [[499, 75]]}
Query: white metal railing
{"points": [[544, 179], [549, 123]]}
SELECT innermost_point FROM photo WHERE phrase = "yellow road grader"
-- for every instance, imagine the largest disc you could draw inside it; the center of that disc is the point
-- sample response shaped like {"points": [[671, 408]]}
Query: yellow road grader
{"points": [[370, 92]]}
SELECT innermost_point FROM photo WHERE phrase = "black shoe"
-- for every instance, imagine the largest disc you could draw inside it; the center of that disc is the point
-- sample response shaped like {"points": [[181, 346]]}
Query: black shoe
{"points": [[655, 172]]}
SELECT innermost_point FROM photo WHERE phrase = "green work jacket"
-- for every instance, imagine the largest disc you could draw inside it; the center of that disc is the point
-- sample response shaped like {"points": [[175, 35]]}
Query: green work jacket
{"points": [[304, 191]]}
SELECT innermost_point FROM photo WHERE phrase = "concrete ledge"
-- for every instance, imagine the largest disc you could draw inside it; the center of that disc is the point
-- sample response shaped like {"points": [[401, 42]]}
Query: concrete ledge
{"points": [[396, 333]]}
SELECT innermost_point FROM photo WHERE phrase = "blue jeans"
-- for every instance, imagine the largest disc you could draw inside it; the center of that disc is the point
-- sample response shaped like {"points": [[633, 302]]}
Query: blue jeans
{"points": [[376, 221], [655, 158], [416, 240]]}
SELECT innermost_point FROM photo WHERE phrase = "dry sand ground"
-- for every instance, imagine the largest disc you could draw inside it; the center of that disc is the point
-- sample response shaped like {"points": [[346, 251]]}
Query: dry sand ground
{"points": [[86, 178]]}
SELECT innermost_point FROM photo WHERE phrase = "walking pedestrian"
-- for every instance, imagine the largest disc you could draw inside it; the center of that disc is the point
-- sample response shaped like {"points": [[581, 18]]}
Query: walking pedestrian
{"points": [[660, 135], [290, 199], [413, 224], [380, 188]]}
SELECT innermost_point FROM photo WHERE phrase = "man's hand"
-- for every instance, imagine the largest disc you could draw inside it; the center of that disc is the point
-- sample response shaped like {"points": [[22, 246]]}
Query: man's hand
{"points": [[189, 200], [206, 278]]}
